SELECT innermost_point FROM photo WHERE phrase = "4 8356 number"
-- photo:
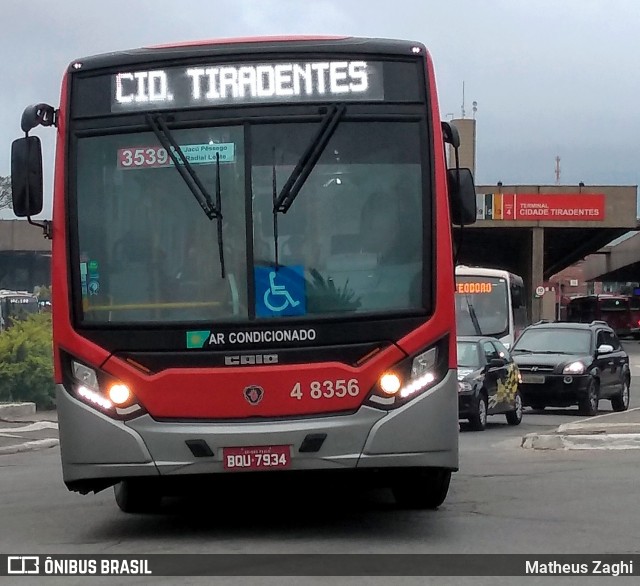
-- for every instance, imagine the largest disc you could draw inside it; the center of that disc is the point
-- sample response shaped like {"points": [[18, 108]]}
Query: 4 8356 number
{"points": [[327, 389]]}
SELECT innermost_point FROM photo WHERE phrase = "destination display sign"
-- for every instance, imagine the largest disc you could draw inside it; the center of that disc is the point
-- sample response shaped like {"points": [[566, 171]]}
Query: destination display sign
{"points": [[474, 287], [247, 83]]}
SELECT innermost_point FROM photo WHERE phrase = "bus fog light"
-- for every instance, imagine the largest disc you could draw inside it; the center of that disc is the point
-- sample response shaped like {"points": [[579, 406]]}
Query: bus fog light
{"points": [[119, 394], [390, 383]]}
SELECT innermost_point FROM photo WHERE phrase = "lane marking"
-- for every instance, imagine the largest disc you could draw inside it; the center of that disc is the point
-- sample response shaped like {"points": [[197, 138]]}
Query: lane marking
{"points": [[591, 419], [37, 426]]}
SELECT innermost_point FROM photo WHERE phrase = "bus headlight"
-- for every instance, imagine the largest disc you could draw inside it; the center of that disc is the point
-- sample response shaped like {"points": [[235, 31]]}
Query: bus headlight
{"points": [[409, 378], [119, 394], [103, 392], [390, 383]]}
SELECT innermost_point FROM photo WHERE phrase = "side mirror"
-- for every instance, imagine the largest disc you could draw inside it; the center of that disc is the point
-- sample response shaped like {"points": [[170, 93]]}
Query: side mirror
{"points": [[37, 115], [26, 176], [604, 349], [450, 134], [462, 196], [496, 363]]}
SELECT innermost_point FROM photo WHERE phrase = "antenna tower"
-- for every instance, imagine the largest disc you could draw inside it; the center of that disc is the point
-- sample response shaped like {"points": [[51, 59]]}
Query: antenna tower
{"points": [[557, 170]]}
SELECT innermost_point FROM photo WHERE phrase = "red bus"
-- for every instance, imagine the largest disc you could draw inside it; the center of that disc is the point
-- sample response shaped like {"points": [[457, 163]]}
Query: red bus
{"points": [[252, 265], [634, 308], [613, 309]]}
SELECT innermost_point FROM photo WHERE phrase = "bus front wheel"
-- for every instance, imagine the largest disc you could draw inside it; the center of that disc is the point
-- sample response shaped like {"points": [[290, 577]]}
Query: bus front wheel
{"points": [[422, 489], [137, 496]]}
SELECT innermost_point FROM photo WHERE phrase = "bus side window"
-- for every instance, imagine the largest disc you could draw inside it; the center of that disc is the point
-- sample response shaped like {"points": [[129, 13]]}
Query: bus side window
{"points": [[517, 295], [520, 320]]}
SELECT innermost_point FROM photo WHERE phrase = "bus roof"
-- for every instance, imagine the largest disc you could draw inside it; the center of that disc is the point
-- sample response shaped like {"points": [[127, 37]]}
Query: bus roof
{"points": [[10, 293], [252, 47], [464, 270]]}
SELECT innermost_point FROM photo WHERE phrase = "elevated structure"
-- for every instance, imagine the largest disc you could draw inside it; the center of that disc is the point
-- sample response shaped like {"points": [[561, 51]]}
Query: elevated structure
{"points": [[615, 263], [537, 230], [25, 256]]}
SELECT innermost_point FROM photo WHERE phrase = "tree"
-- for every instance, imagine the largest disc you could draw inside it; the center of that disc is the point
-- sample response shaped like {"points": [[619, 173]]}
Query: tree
{"points": [[5, 192]]}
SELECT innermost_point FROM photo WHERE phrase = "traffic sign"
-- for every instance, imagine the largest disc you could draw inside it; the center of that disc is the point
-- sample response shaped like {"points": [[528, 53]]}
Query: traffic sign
{"points": [[539, 290]]}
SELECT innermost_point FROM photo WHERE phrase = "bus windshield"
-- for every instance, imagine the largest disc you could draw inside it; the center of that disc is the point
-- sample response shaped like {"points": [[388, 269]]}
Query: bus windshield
{"points": [[351, 242], [482, 306]]}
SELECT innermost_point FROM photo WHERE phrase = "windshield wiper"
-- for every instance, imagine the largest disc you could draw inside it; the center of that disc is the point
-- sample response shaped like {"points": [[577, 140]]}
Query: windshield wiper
{"points": [[191, 178], [473, 316], [282, 202], [308, 160]]}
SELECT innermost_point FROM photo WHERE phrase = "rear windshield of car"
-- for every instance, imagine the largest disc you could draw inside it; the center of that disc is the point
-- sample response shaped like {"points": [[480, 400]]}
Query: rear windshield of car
{"points": [[554, 340], [613, 305]]}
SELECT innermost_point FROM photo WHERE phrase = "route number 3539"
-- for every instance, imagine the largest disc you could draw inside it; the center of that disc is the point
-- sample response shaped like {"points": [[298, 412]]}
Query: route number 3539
{"points": [[327, 389]]}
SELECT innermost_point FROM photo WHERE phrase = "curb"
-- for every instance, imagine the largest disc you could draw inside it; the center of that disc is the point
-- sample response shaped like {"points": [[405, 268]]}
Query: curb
{"points": [[30, 446], [17, 409], [608, 441]]}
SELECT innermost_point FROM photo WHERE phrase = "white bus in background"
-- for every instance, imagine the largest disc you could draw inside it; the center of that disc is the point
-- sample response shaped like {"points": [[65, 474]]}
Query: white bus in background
{"points": [[16, 305], [490, 302]]}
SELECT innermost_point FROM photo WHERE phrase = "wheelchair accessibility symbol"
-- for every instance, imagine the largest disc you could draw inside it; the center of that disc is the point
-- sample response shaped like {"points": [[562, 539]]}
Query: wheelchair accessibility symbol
{"points": [[280, 292]]}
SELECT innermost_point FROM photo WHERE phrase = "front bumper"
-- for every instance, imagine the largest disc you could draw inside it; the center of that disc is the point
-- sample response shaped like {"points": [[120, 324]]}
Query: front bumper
{"points": [[96, 448], [466, 404], [556, 390]]}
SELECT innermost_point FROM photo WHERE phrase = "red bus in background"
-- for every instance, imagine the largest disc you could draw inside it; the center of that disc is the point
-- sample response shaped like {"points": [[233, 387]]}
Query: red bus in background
{"points": [[613, 309], [634, 308], [252, 265]]}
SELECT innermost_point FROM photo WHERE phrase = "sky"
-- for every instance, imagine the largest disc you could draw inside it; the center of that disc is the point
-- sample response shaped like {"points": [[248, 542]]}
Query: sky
{"points": [[550, 77]]}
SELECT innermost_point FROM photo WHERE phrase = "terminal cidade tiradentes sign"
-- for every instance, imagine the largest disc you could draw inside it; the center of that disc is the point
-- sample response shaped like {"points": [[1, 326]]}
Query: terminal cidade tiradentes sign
{"points": [[548, 207]]}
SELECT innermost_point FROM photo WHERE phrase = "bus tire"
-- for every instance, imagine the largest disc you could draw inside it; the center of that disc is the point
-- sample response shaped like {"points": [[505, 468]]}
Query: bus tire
{"points": [[422, 489], [137, 496], [478, 420]]}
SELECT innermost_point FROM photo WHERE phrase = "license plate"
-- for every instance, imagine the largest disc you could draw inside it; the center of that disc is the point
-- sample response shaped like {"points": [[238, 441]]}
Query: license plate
{"points": [[256, 458], [533, 378]]}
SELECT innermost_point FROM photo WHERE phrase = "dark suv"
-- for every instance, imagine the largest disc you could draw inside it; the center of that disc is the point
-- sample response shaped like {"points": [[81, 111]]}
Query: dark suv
{"points": [[564, 364]]}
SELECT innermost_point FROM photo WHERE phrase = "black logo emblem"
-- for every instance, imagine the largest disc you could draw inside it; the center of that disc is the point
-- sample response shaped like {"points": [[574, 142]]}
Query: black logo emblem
{"points": [[253, 394]]}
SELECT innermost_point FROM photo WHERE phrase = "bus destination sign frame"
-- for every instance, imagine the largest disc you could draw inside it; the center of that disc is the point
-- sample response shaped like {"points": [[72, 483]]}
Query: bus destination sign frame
{"points": [[194, 86]]}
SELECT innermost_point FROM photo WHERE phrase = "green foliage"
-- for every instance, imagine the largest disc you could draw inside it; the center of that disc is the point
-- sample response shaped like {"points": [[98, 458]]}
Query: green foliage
{"points": [[5, 192], [324, 297], [43, 292], [26, 362]]}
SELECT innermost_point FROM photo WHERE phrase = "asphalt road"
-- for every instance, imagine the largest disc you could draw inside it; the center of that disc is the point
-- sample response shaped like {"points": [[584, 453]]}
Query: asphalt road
{"points": [[504, 499]]}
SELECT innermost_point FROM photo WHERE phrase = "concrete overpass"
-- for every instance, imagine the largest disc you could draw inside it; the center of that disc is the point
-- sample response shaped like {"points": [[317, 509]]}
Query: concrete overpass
{"points": [[615, 263], [538, 230]]}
